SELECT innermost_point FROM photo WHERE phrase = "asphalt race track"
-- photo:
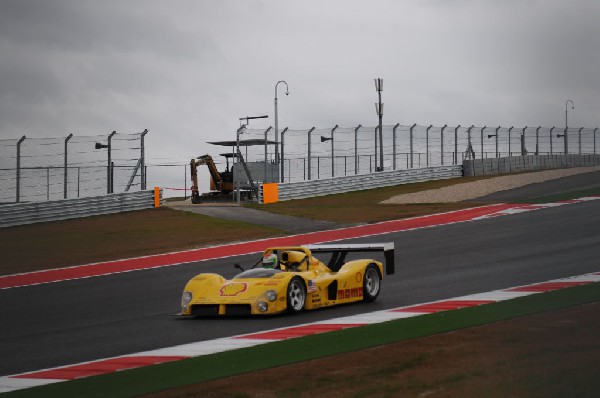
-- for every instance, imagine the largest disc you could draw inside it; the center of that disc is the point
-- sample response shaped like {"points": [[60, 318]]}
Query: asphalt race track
{"points": [[82, 320]]}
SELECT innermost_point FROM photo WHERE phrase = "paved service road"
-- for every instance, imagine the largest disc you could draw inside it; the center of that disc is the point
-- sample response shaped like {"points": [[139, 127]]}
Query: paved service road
{"points": [[81, 320]]}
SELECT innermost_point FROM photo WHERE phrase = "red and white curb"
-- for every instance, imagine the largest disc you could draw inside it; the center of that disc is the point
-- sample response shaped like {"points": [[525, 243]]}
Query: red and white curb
{"points": [[242, 248], [170, 354]]}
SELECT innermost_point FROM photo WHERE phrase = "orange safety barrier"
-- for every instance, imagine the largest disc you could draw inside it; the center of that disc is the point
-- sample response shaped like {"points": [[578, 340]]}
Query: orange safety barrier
{"points": [[270, 193], [156, 197]]}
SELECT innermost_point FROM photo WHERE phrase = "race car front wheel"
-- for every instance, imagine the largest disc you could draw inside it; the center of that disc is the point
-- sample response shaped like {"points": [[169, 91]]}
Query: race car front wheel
{"points": [[296, 295], [371, 283]]}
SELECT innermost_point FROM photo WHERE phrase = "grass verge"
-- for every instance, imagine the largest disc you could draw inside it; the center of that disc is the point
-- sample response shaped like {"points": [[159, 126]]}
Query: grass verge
{"points": [[195, 370]]}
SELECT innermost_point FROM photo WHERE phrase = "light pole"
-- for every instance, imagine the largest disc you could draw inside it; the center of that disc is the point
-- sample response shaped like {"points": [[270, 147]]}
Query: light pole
{"points": [[236, 159], [379, 109], [277, 121]]}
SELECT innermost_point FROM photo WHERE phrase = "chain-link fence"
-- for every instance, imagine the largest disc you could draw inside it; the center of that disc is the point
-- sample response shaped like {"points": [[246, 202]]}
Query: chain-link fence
{"points": [[40, 169]]}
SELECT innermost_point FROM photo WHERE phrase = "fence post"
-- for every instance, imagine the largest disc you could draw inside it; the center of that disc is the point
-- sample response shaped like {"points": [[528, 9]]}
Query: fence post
{"points": [[282, 143], [580, 129], [108, 166], [266, 144], [426, 147], [394, 146], [47, 183], [596, 129], [469, 146], [143, 163], [484, 127], [497, 154], [442, 144], [523, 149], [356, 148], [551, 150], [309, 164], [376, 146], [332, 152], [456, 144], [412, 146], [66, 181], [19, 168], [537, 140], [509, 144]]}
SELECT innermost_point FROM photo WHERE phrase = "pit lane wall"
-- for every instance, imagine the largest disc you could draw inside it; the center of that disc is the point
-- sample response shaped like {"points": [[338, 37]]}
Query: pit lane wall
{"points": [[519, 164], [55, 210], [271, 193]]}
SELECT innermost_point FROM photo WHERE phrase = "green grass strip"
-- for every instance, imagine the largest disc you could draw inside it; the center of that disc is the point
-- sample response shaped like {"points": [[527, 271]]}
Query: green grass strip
{"points": [[195, 370], [563, 196]]}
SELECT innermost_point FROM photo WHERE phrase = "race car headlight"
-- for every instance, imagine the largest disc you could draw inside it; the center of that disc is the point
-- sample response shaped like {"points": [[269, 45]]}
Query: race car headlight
{"points": [[262, 306], [185, 299], [271, 295]]}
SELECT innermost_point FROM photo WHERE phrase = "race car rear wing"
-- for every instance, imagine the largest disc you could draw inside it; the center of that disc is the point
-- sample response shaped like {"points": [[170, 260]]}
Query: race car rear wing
{"points": [[387, 249]]}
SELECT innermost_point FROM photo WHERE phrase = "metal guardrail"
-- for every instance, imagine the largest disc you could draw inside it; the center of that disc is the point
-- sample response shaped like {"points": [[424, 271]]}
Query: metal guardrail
{"points": [[309, 189], [516, 164], [35, 212]]}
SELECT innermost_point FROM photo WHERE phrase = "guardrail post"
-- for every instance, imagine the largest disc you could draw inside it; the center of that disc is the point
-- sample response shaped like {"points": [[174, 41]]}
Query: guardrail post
{"points": [[309, 151], [412, 146], [143, 163], [394, 146], [282, 143], [65, 172], [456, 144], [356, 148], [442, 144], [18, 194]]}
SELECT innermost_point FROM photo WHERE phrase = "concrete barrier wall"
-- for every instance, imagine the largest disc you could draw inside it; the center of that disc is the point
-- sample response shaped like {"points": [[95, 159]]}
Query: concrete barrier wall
{"points": [[516, 164]]}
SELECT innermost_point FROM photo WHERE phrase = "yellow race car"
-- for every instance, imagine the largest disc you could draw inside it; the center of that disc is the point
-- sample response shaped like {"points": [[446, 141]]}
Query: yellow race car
{"points": [[290, 279]]}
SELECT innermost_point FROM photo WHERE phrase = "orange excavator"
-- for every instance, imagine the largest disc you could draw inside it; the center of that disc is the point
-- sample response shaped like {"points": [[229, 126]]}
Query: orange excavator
{"points": [[221, 183]]}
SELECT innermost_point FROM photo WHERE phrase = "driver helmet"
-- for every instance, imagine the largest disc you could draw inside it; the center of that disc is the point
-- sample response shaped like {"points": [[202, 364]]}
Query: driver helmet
{"points": [[269, 261]]}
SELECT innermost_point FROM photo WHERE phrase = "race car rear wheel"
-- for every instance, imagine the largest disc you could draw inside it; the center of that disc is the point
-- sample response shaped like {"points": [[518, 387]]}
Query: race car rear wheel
{"points": [[296, 295], [371, 283]]}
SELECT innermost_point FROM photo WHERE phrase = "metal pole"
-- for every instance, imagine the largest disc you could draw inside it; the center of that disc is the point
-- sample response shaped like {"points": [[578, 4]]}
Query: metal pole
{"points": [[379, 88], [442, 144], [596, 129], [282, 142], [236, 160], [427, 145], [394, 146], [456, 144], [497, 141], [412, 146], [537, 140], [65, 172], [108, 168], [185, 182], [509, 136], [19, 168], [47, 183], [469, 146], [523, 149], [266, 141], [376, 145], [356, 148], [143, 162], [484, 127], [580, 129], [309, 150], [332, 152], [277, 120], [551, 149], [566, 136], [78, 179]]}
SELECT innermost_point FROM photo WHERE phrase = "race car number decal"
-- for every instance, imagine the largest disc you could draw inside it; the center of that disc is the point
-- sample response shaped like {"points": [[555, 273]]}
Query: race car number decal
{"points": [[233, 289]]}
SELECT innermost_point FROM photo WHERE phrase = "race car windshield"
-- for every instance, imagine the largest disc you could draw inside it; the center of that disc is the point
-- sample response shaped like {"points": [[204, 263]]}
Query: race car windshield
{"points": [[257, 273]]}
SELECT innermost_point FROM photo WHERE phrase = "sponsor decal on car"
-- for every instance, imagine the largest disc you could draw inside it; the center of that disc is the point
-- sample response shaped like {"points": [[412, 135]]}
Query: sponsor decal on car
{"points": [[312, 286], [358, 277], [233, 289], [349, 293]]}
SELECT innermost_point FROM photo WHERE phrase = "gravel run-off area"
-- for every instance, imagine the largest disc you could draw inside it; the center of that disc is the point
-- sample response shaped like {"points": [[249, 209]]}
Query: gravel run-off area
{"points": [[479, 188]]}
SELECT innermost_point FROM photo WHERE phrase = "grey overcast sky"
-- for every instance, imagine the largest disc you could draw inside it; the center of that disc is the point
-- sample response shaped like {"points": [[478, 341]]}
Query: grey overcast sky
{"points": [[188, 70]]}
